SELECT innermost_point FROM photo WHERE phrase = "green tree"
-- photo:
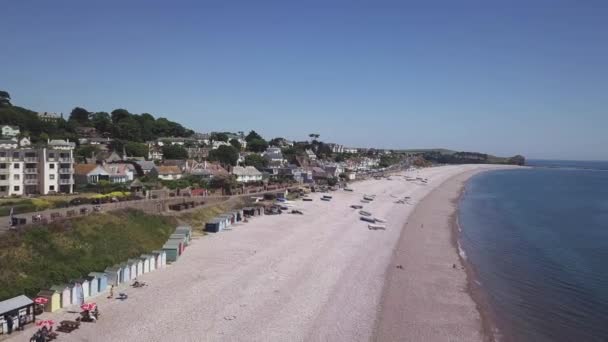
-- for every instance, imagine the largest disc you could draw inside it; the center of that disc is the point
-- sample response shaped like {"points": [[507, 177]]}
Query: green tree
{"points": [[257, 145], [174, 152], [102, 122], [119, 115], [5, 99], [226, 155], [236, 144], [276, 141], [253, 135], [86, 151], [136, 149], [219, 136], [128, 129], [256, 161], [80, 116]]}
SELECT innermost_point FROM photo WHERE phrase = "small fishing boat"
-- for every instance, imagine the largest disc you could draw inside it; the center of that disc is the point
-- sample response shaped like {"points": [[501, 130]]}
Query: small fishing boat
{"points": [[365, 213], [364, 201], [376, 227], [348, 189], [326, 199], [326, 196], [307, 199], [367, 219], [356, 206], [381, 220]]}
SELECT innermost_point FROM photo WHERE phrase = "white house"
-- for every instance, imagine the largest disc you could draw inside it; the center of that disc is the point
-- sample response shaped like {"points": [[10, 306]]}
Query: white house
{"points": [[246, 174], [167, 172], [10, 131]]}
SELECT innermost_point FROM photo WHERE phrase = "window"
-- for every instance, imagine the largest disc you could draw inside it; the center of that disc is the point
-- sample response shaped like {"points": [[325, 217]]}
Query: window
{"points": [[51, 177], [2, 166], [2, 177], [2, 154], [16, 177], [51, 188], [16, 165], [15, 155], [51, 166], [16, 188], [51, 155], [2, 188]]}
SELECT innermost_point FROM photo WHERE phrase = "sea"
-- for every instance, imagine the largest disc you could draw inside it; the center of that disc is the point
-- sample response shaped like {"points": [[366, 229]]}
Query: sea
{"points": [[537, 241]]}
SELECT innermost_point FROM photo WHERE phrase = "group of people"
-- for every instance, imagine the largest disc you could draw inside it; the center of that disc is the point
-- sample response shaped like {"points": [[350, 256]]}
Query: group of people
{"points": [[43, 335], [11, 320]]}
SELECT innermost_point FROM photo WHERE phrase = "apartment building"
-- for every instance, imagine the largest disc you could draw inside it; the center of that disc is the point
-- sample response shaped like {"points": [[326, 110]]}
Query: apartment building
{"points": [[25, 170]]}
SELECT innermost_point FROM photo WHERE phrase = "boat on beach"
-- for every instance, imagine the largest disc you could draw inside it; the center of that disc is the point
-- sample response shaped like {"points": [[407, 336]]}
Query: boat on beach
{"points": [[365, 213], [367, 219], [376, 227]]}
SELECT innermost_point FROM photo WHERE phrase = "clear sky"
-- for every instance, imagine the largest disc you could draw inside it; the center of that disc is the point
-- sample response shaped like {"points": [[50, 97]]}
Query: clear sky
{"points": [[530, 77]]}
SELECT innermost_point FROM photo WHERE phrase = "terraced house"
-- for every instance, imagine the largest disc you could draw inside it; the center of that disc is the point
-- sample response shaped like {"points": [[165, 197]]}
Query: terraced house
{"points": [[29, 170]]}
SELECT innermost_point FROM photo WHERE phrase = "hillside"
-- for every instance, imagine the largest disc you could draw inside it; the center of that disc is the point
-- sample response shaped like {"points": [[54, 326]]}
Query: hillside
{"points": [[45, 256]]}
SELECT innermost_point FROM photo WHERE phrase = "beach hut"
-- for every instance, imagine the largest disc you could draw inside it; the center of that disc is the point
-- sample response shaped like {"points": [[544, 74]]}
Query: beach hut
{"points": [[20, 306], [182, 247], [65, 294], [161, 258], [214, 225], [151, 261], [126, 272], [186, 230], [181, 237], [172, 250], [54, 300], [77, 293], [114, 274], [139, 270], [145, 262], [84, 284], [102, 281], [93, 285]]}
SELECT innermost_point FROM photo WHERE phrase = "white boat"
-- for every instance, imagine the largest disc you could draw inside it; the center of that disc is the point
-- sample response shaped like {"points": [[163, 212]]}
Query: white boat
{"points": [[367, 219], [365, 213], [381, 220]]}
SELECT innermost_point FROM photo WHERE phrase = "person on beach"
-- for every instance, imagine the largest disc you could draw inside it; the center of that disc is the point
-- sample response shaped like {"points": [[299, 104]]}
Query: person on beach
{"points": [[111, 292]]}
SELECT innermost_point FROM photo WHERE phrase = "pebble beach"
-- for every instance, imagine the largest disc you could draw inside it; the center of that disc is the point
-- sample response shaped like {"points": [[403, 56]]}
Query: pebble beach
{"points": [[320, 276]]}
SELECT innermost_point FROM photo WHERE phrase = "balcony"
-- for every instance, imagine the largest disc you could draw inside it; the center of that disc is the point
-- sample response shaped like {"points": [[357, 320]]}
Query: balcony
{"points": [[4, 171], [30, 181], [30, 171], [65, 181], [64, 159], [31, 159], [4, 181], [66, 171]]}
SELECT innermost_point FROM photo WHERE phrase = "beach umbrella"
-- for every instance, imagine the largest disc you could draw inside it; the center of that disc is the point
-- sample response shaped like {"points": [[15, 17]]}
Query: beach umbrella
{"points": [[41, 300], [48, 322], [88, 306]]}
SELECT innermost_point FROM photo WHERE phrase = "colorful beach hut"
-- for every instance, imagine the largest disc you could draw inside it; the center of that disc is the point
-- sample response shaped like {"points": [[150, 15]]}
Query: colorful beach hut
{"points": [[214, 225], [182, 237], [172, 250], [102, 281], [139, 267], [65, 292], [145, 262], [186, 230], [114, 274], [84, 284], [151, 261], [54, 300], [77, 293], [161, 258], [128, 271]]}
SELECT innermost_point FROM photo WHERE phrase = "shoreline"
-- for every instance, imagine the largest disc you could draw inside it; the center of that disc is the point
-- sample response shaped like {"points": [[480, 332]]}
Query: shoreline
{"points": [[463, 313], [489, 326]]}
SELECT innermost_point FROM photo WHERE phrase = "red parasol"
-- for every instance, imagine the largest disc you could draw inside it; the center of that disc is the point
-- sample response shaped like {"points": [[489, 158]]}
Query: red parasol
{"points": [[41, 300], [45, 322], [88, 306]]}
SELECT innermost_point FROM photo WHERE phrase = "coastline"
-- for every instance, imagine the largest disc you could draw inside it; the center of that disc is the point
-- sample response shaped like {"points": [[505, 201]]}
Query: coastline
{"points": [[456, 309], [317, 277]]}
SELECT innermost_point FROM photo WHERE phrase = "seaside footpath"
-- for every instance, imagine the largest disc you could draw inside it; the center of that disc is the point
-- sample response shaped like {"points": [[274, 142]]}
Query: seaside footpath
{"points": [[313, 277]]}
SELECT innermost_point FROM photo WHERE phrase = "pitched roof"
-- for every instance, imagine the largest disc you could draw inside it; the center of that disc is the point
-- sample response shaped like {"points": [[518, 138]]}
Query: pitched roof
{"points": [[14, 303], [146, 164], [168, 170], [246, 171], [84, 169]]}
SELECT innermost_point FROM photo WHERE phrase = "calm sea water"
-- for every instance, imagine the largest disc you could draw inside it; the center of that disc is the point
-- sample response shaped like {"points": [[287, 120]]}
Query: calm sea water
{"points": [[538, 241]]}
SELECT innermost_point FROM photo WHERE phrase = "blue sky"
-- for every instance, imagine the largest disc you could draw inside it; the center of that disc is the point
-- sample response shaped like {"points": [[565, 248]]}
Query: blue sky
{"points": [[530, 77]]}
